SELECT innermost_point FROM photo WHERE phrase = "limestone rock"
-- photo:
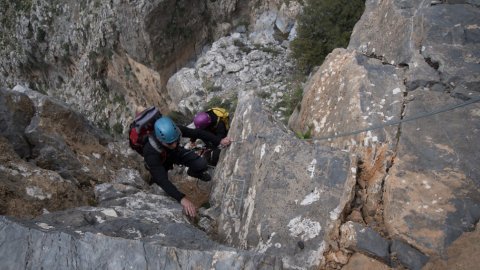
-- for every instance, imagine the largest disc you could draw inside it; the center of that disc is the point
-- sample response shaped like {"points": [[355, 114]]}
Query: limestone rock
{"points": [[67, 156], [462, 254], [232, 64], [185, 84], [408, 255], [365, 240], [105, 58], [16, 111], [359, 261], [407, 60], [136, 230], [444, 36], [27, 191], [275, 190], [24, 245], [286, 16], [350, 92], [263, 29], [432, 193]]}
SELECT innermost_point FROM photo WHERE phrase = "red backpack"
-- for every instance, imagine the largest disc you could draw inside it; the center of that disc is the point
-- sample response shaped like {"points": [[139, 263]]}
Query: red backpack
{"points": [[142, 127]]}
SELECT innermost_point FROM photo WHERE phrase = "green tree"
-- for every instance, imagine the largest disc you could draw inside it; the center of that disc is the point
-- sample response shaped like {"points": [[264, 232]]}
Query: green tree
{"points": [[323, 26]]}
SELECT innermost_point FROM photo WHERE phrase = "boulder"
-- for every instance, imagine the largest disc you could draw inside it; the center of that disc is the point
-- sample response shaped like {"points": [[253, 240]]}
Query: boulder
{"points": [[350, 92], [287, 15], [16, 112], [263, 29], [184, 84], [362, 239], [232, 64], [408, 256]]}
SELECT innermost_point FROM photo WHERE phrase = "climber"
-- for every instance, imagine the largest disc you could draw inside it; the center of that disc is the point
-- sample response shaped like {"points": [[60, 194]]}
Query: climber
{"points": [[163, 150], [216, 122]]}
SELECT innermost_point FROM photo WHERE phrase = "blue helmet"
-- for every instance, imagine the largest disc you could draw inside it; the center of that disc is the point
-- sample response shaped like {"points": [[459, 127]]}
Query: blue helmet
{"points": [[166, 131]]}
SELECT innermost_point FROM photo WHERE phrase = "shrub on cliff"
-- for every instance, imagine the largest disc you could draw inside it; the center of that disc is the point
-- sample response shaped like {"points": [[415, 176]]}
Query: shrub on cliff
{"points": [[323, 26]]}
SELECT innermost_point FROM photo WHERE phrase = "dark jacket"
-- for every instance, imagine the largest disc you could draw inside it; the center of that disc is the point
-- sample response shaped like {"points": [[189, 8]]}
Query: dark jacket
{"points": [[159, 163], [220, 130]]}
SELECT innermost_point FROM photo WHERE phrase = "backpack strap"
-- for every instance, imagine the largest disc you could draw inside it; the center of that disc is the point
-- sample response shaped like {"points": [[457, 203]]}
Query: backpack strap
{"points": [[222, 115], [216, 116], [154, 143], [145, 117]]}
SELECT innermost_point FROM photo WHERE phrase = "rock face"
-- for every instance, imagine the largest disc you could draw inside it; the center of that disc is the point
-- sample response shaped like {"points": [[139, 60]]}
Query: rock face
{"points": [[72, 164], [443, 36], [349, 92], [257, 59], [398, 191], [434, 186], [104, 57], [277, 194], [16, 112], [417, 181], [462, 254], [276, 202], [52, 156], [132, 230], [26, 190], [233, 63], [92, 251]]}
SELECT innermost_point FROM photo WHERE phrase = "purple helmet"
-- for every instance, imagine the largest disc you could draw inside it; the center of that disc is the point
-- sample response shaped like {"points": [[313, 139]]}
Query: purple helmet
{"points": [[202, 120]]}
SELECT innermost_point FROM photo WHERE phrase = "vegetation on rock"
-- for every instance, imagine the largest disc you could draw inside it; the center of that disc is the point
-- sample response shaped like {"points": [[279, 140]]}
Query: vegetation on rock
{"points": [[323, 26]]}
